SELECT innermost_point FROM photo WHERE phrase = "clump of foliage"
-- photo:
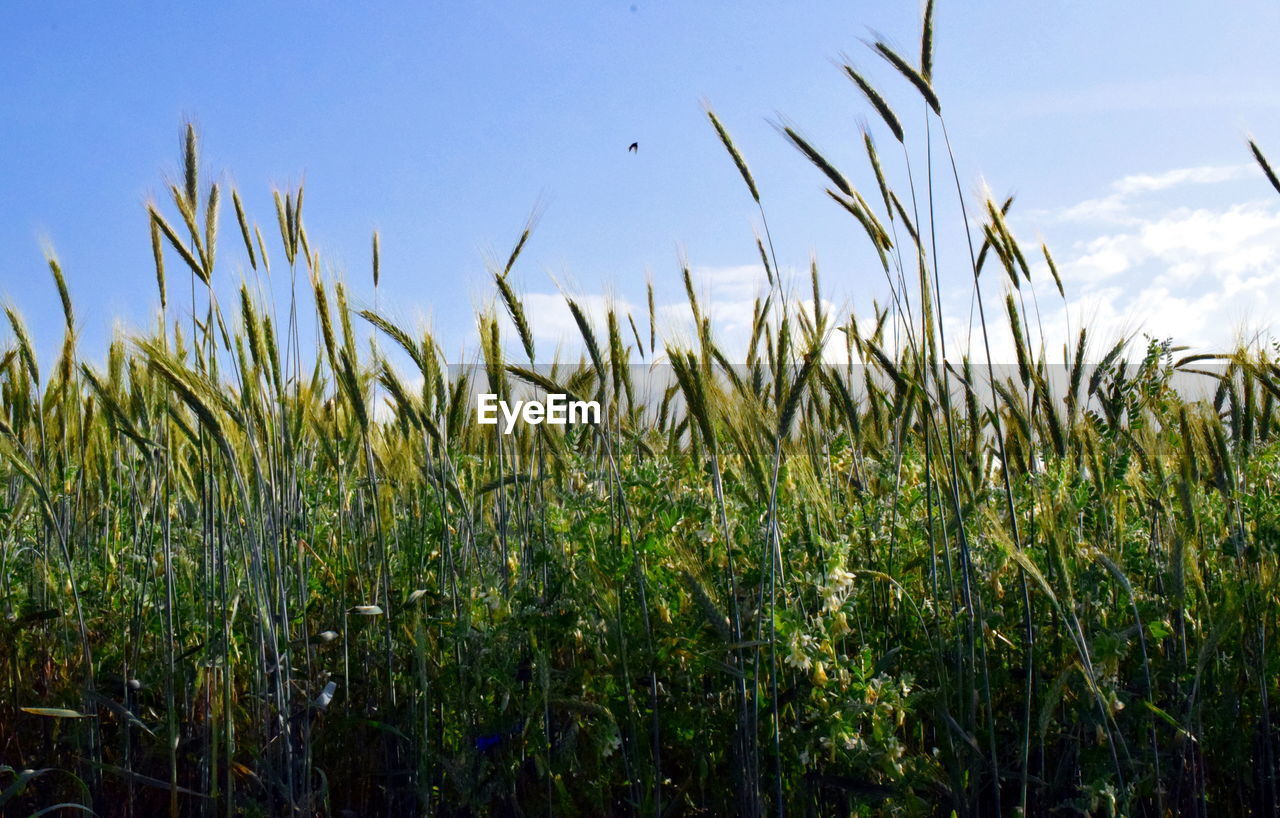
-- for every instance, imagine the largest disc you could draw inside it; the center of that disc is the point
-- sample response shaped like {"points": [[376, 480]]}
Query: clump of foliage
{"points": [[241, 577]]}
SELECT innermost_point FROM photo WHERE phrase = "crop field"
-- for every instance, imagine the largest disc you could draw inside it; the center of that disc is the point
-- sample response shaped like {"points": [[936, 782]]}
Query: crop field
{"points": [[248, 569]]}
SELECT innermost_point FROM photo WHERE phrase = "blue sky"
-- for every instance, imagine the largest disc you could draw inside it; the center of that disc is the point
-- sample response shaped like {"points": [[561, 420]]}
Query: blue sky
{"points": [[443, 125]]}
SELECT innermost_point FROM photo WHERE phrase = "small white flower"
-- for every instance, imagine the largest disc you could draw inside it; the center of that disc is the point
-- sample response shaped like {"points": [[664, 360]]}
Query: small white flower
{"points": [[611, 746], [798, 651]]}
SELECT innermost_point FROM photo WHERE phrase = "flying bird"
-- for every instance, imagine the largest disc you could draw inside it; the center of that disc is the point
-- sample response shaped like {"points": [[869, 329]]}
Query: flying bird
{"points": [[634, 147]]}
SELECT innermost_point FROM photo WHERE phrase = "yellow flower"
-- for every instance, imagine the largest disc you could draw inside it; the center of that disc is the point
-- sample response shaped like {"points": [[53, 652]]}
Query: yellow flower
{"points": [[840, 624], [819, 675]]}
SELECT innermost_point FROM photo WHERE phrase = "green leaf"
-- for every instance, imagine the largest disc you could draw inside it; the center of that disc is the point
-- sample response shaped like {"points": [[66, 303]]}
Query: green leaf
{"points": [[55, 712], [1170, 720]]}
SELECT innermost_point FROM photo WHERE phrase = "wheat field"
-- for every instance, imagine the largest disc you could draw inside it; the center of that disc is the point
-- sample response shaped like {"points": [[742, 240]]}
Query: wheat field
{"points": [[247, 571]]}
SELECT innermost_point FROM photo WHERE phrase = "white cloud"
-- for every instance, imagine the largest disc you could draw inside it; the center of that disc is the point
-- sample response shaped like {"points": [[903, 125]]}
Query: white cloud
{"points": [[1141, 264], [1208, 175], [551, 320], [1182, 246], [1104, 257], [1198, 276], [737, 283], [1118, 205]]}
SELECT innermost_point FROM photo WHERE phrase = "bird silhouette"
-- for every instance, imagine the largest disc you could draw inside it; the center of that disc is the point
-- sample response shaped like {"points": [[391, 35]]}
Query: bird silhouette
{"points": [[635, 147]]}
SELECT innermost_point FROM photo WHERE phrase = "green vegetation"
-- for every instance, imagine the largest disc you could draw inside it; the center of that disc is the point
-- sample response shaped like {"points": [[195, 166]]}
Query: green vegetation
{"points": [[241, 577]]}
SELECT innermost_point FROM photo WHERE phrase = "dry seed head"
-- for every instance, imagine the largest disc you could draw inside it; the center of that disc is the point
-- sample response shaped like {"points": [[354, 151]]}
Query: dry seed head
{"points": [[529, 225], [291, 223], [913, 76], [687, 277], [1011, 245], [211, 229], [798, 386], [244, 227], [252, 328], [906, 220], [818, 317], [1053, 269], [262, 249], [635, 333], [188, 213], [272, 351], [818, 160], [157, 253], [1019, 340], [618, 358], [190, 166], [879, 239], [688, 377], [404, 403], [588, 338], [61, 283], [926, 44], [516, 310], [491, 350], [297, 213], [986, 243], [1265, 165], [177, 244], [25, 351], [653, 330], [875, 166], [326, 321], [344, 319], [877, 102], [764, 260], [349, 380], [399, 336], [727, 141], [284, 219]]}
